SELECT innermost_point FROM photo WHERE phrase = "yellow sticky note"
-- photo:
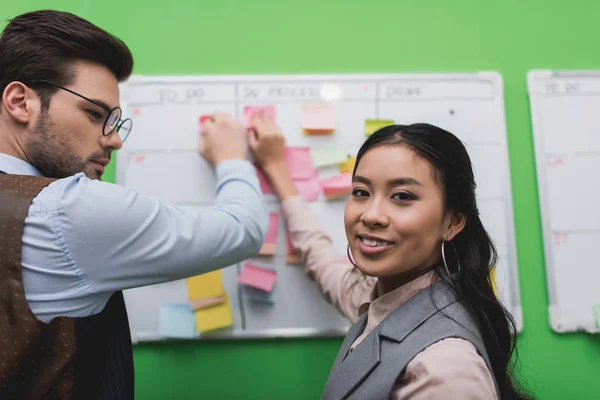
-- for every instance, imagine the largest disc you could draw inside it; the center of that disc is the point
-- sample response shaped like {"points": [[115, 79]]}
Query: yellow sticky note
{"points": [[328, 156], [209, 284], [373, 125], [493, 279], [318, 118], [348, 165], [216, 317]]}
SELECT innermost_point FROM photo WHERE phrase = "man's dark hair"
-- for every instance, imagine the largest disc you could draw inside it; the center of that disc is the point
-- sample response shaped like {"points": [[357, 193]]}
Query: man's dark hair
{"points": [[43, 45]]}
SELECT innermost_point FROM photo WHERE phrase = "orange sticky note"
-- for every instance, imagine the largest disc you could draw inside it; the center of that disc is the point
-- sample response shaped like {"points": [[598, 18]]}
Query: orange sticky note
{"points": [[337, 186], [199, 304], [299, 162], [216, 317], [268, 247], [318, 118], [251, 111], [260, 278]]}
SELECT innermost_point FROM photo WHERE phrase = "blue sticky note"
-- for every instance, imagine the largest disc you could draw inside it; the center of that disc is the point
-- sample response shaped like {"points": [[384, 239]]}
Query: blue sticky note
{"points": [[176, 320], [254, 294], [596, 308]]}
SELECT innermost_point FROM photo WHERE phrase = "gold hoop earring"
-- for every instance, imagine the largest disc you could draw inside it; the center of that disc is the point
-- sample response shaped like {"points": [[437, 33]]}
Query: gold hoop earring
{"points": [[444, 258], [349, 254]]}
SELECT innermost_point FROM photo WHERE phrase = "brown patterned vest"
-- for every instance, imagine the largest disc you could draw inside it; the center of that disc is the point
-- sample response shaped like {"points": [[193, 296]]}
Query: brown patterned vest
{"points": [[36, 359], [69, 358]]}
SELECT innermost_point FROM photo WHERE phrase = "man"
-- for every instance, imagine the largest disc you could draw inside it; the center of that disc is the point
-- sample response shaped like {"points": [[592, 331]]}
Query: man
{"points": [[69, 243]]}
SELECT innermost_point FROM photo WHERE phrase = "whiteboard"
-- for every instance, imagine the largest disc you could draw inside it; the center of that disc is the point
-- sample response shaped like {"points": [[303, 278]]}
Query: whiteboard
{"points": [[565, 108], [166, 109]]}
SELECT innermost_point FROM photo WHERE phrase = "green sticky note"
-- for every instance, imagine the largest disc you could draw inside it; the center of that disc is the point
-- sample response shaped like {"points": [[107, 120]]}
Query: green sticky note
{"points": [[373, 125], [328, 156], [596, 308]]}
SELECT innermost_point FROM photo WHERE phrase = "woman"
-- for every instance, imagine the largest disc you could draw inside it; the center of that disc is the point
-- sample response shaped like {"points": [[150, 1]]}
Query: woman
{"points": [[427, 324]]}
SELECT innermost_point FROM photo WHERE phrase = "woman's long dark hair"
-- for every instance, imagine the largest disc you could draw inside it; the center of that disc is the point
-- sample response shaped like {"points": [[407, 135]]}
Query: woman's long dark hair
{"points": [[475, 250]]}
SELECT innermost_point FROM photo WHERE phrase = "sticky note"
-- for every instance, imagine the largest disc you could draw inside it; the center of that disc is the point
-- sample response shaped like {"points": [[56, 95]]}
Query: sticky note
{"points": [[260, 278], [263, 181], [328, 156], [202, 119], [251, 111], [205, 302], [318, 118], [292, 254], [493, 280], [596, 308], [176, 320], [348, 165], [254, 294], [212, 318], [373, 125], [337, 186], [209, 284], [299, 162], [268, 247], [309, 189]]}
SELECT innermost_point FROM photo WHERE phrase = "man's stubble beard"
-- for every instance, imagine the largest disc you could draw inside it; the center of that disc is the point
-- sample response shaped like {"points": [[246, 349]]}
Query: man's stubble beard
{"points": [[51, 152]]}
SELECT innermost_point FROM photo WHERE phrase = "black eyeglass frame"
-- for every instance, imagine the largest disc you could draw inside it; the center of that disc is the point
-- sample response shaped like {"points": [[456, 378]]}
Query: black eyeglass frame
{"points": [[108, 110]]}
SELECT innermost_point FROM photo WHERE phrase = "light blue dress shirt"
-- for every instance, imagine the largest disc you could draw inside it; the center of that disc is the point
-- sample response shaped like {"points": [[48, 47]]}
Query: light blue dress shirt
{"points": [[85, 239]]}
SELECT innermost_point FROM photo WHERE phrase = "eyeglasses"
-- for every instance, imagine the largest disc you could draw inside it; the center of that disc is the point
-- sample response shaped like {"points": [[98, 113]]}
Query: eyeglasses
{"points": [[113, 121]]}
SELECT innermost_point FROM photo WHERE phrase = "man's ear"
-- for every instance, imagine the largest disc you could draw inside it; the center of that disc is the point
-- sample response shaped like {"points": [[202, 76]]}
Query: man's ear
{"points": [[20, 102], [455, 223]]}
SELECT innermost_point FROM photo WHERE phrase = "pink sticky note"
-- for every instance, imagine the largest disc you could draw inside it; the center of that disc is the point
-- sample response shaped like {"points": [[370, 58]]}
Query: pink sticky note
{"points": [[339, 182], [257, 277], [299, 162], [265, 185], [318, 117], [251, 111], [203, 118], [309, 189], [271, 237]]}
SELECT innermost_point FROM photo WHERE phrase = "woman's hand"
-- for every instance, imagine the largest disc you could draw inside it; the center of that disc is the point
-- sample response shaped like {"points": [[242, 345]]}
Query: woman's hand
{"points": [[267, 143], [268, 146]]}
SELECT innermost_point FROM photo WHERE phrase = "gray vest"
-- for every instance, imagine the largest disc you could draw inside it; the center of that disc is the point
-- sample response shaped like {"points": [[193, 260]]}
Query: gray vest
{"points": [[371, 369]]}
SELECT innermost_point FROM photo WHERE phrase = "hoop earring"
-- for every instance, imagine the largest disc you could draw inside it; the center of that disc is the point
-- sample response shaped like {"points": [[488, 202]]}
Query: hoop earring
{"points": [[349, 253], [444, 258]]}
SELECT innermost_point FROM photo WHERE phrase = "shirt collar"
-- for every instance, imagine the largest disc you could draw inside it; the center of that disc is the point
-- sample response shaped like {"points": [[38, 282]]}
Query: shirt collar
{"points": [[16, 166], [384, 304]]}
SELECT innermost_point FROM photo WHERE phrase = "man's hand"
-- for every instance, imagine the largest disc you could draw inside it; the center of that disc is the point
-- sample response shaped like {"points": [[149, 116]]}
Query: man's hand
{"points": [[223, 139]]}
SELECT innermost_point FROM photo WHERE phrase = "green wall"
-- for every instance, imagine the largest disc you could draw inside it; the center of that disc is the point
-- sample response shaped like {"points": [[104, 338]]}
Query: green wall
{"points": [[276, 36]]}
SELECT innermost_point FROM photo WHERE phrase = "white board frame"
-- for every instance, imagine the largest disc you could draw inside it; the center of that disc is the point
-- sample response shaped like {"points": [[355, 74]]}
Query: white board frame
{"points": [[490, 77], [536, 79]]}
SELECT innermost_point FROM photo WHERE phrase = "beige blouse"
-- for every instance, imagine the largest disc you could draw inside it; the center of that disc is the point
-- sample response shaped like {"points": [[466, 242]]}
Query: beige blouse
{"points": [[449, 369]]}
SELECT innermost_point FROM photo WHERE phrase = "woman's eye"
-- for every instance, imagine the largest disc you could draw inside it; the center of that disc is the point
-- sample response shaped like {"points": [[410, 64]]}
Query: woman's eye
{"points": [[360, 193], [403, 196]]}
